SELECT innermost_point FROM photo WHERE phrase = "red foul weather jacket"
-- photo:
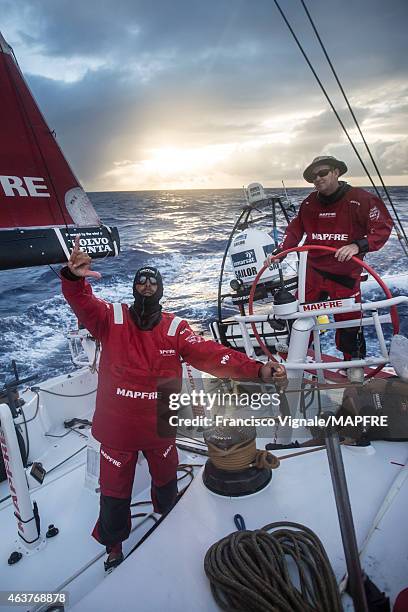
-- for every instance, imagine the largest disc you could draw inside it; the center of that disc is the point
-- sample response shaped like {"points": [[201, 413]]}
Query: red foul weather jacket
{"points": [[358, 217], [134, 364]]}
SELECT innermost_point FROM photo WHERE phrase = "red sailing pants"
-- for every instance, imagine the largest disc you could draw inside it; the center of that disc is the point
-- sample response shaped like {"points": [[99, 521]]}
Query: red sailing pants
{"points": [[117, 472], [319, 288]]}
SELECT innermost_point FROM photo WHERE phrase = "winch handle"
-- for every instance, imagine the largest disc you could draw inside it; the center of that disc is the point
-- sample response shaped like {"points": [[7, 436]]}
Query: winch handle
{"points": [[326, 249]]}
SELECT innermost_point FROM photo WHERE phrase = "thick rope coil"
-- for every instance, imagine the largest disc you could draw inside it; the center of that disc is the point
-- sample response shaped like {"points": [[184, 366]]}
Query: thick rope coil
{"points": [[249, 571], [241, 456]]}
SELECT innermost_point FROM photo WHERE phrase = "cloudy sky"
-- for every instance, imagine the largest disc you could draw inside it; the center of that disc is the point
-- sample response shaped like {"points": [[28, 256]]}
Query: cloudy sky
{"points": [[166, 94]]}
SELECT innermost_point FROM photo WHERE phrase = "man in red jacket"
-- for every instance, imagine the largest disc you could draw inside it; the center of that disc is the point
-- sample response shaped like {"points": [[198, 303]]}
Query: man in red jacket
{"points": [[353, 221], [140, 365]]}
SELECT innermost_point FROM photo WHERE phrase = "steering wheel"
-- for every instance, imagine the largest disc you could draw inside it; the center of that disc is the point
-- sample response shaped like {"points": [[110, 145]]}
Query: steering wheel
{"points": [[326, 249]]}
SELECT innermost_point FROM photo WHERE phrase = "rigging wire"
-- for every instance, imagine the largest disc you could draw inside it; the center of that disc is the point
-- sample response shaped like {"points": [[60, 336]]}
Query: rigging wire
{"points": [[25, 420], [236, 225], [357, 126], [35, 389], [53, 468], [66, 459], [55, 271], [275, 239], [332, 107], [188, 438]]}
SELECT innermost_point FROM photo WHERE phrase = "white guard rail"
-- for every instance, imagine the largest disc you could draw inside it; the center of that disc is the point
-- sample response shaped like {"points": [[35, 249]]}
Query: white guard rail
{"points": [[375, 320]]}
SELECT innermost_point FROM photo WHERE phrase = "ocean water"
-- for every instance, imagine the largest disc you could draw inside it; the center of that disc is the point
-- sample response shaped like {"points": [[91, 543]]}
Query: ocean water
{"points": [[184, 234]]}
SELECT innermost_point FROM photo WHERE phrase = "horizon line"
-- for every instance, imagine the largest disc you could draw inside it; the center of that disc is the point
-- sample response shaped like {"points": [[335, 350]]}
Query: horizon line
{"points": [[230, 189]]}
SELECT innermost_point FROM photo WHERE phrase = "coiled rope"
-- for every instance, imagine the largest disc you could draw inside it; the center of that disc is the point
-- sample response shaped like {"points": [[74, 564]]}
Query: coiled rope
{"points": [[249, 571], [241, 456]]}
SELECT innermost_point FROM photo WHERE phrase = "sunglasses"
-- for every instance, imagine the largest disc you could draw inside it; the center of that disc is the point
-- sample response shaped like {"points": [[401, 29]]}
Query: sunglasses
{"points": [[321, 173], [142, 280]]}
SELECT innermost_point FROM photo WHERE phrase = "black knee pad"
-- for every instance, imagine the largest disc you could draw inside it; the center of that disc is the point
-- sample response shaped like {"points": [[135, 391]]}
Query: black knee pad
{"points": [[114, 520], [164, 497]]}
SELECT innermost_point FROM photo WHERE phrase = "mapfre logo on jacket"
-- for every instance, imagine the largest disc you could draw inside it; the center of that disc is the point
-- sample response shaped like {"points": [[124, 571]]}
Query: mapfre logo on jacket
{"points": [[337, 237], [147, 395]]}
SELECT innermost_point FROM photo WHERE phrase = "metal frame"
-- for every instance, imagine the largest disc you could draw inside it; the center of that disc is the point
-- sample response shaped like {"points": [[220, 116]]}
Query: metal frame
{"points": [[375, 320]]}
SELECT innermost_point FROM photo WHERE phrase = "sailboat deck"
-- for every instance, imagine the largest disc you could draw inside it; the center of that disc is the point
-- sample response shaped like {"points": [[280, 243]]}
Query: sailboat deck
{"points": [[166, 572]]}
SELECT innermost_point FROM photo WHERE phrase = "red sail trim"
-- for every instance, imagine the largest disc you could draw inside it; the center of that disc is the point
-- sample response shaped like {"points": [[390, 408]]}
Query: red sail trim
{"points": [[37, 186]]}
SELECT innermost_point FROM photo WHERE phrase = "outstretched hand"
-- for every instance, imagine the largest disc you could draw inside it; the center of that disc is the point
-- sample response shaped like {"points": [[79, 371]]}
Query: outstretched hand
{"points": [[273, 372], [80, 263]]}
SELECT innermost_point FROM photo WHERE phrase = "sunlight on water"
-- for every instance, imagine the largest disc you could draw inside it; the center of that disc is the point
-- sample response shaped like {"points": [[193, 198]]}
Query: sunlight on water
{"points": [[184, 234]]}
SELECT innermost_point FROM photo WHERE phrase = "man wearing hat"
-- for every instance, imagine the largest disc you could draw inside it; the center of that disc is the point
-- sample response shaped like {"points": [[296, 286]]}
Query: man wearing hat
{"points": [[140, 365], [353, 221]]}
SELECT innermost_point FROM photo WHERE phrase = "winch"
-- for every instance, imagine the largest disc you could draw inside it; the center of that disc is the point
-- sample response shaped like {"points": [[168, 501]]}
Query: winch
{"points": [[235, 467]]}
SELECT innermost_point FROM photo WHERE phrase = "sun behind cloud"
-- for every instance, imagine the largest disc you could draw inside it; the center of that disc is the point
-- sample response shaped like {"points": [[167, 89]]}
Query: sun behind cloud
{"points": [[171, 168]]}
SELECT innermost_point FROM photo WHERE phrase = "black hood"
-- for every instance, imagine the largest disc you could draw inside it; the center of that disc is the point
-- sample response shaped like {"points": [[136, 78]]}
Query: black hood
{"points": [[334, 197], [146, 310]]}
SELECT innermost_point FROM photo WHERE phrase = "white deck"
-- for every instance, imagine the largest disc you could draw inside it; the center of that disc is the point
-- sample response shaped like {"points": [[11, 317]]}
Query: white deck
{"points": [[166, 572], [73, 558], [73, 508], [72, 561]]}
